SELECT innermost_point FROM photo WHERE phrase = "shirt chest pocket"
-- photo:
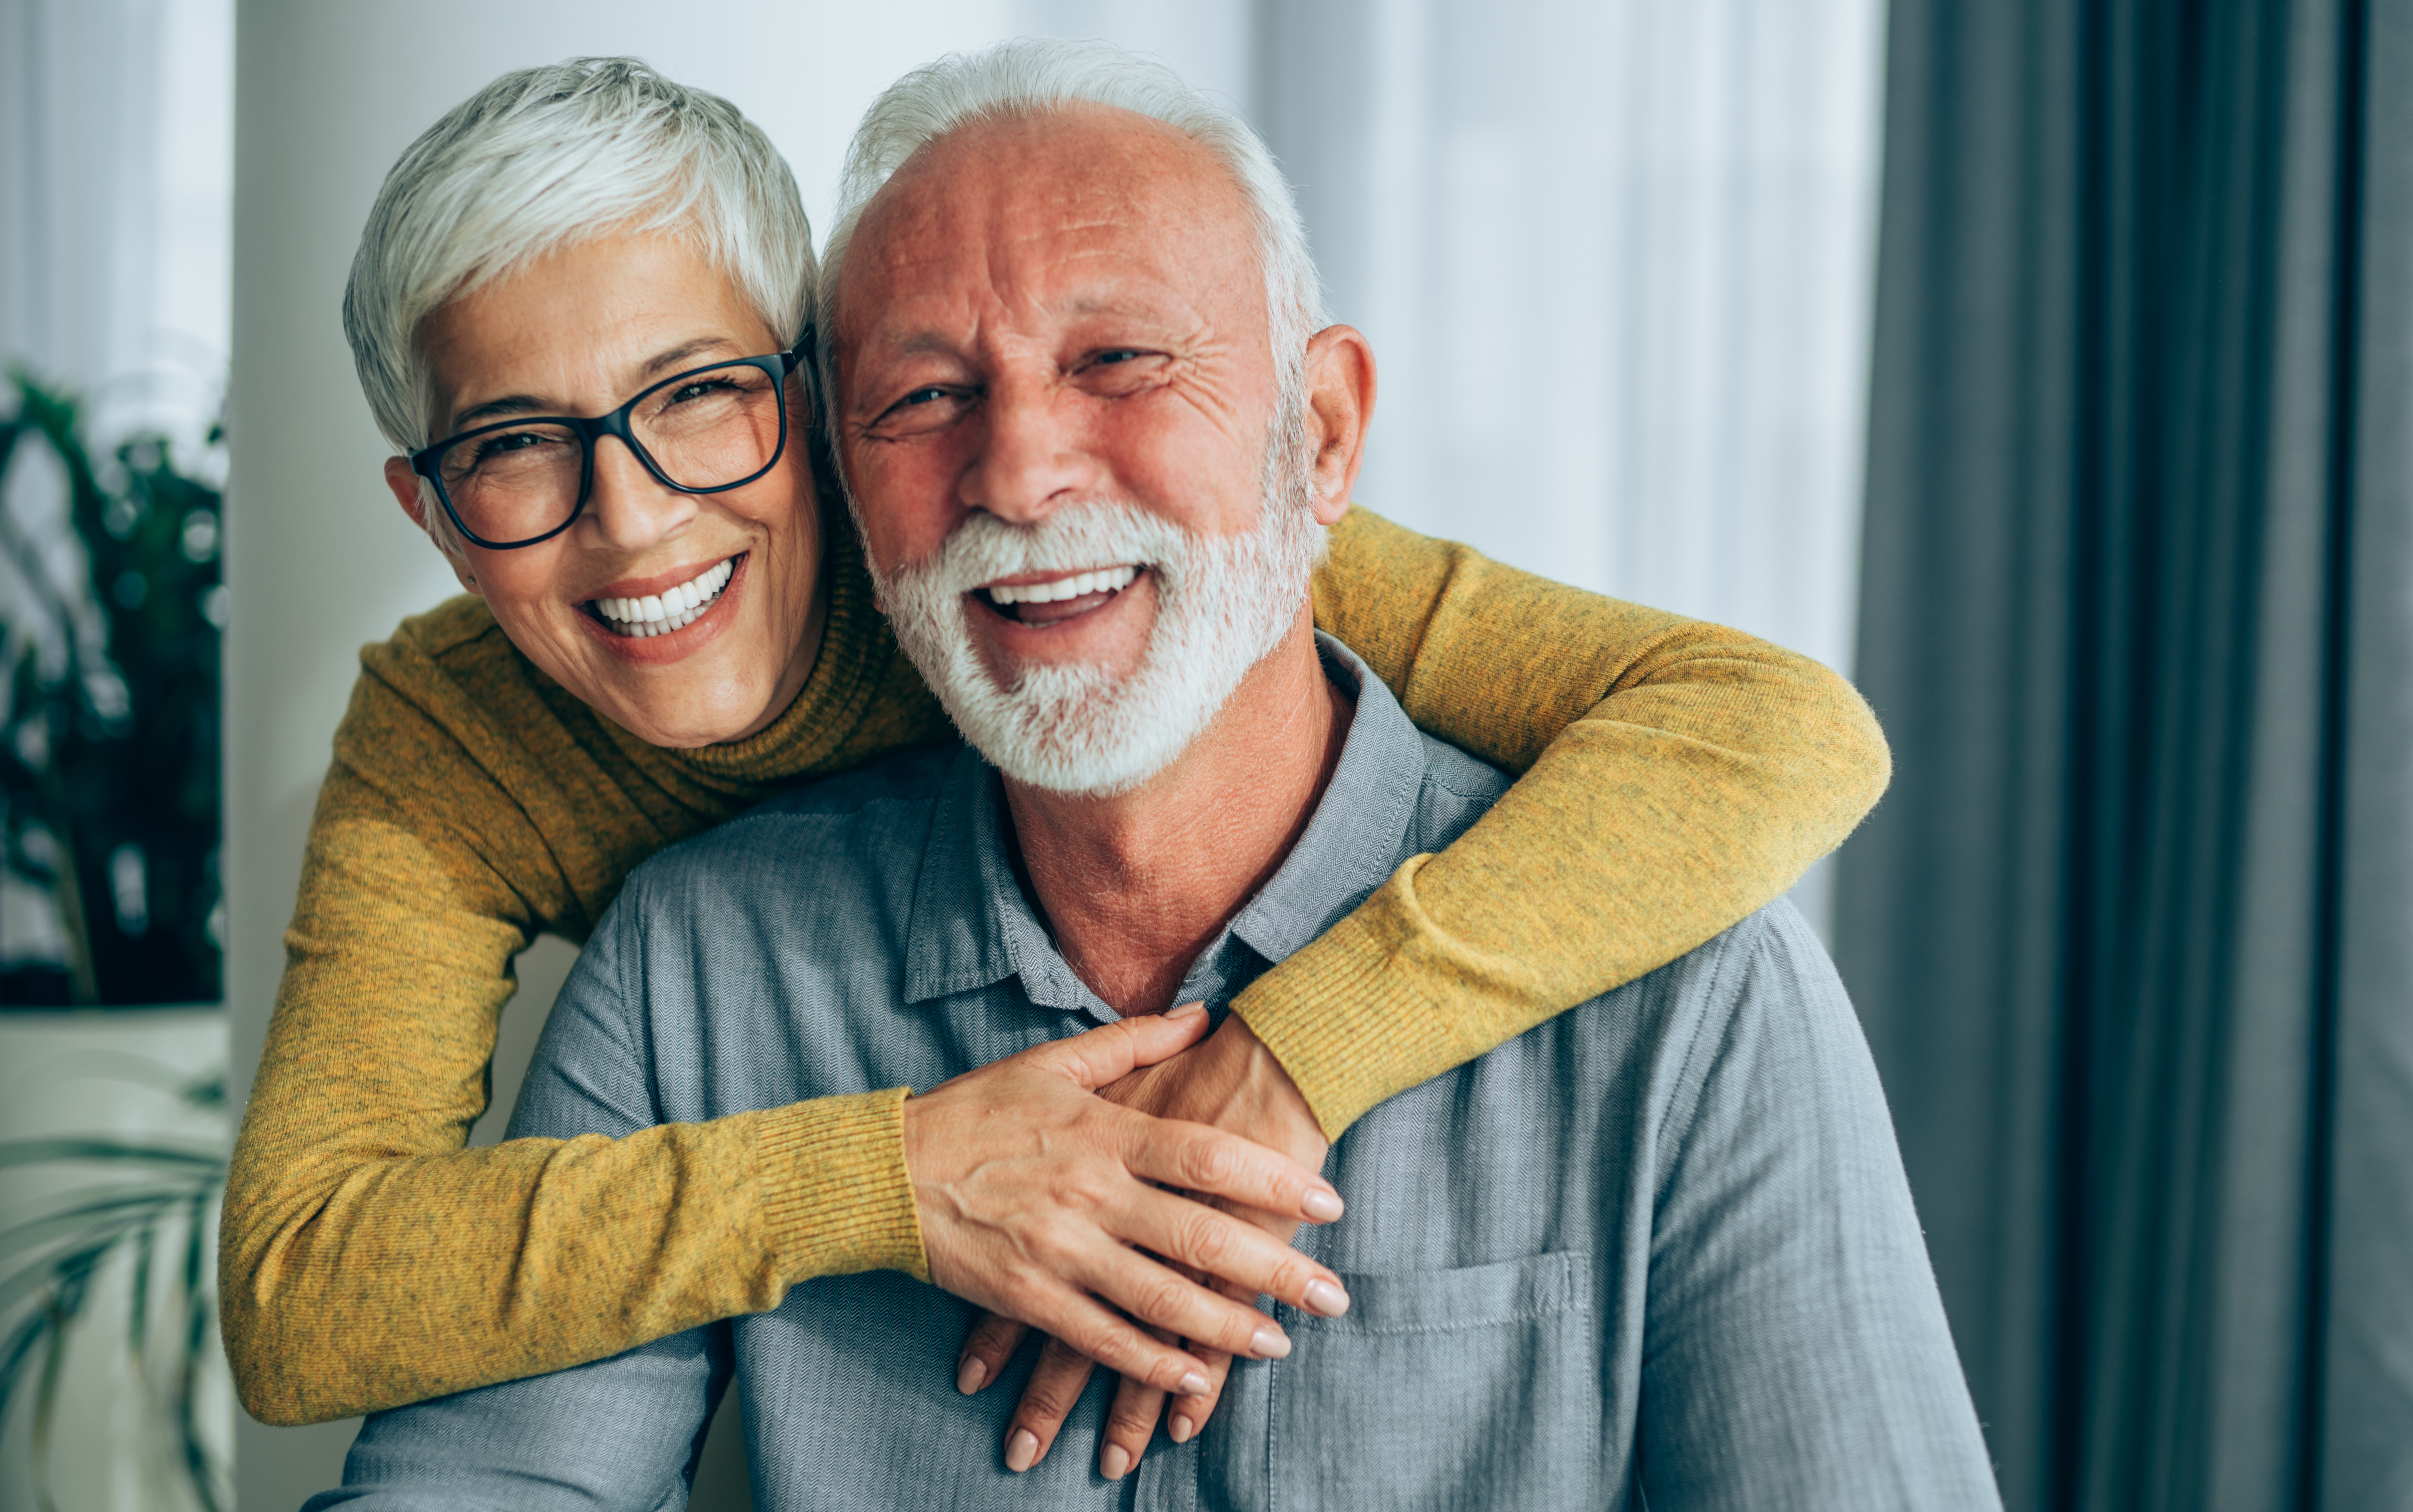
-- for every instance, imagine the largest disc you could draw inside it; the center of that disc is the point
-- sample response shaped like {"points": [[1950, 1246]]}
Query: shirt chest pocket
{"points": [[1471, 1389]]}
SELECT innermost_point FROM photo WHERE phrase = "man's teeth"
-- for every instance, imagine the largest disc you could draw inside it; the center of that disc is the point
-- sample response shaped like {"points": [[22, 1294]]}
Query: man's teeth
{"points": [[1105, 580], [673, 609]]}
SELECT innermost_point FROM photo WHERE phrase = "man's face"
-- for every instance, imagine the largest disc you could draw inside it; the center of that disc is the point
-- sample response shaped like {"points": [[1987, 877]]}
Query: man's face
{"points": [[1061, 416]]}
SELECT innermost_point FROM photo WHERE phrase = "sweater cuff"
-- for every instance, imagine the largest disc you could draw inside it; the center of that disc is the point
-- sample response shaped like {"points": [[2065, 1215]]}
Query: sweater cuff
{"points": [[835, 1192], [1351, 1016]]}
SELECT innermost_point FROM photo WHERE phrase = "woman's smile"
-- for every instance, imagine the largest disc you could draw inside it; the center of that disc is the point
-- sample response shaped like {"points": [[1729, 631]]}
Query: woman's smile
{"points": [[638, 609]]}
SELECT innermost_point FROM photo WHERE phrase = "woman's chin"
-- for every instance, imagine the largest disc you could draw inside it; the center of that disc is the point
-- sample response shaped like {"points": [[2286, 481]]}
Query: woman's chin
{"points": [[683, 728], [703, 702]]}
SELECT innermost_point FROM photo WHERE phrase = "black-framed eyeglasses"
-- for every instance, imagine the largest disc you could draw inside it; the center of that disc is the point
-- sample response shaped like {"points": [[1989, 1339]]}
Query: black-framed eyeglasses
{"points": [[706, 431]]}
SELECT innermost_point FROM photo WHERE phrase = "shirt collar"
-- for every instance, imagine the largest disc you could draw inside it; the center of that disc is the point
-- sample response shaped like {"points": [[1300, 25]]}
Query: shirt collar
{"points": [[973, 925]]}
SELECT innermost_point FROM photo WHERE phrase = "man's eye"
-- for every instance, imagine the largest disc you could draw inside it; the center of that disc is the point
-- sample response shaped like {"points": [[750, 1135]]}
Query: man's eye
{"points": [[931, 407], [1116, 371]]}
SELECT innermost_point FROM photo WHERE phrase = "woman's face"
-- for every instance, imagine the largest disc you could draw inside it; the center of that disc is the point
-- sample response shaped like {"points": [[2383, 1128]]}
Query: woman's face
{"points": [[581, 332]]}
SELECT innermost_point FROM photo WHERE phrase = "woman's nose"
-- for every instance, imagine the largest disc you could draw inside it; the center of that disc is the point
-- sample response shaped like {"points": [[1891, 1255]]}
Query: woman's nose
{"points": [[629, 507]]}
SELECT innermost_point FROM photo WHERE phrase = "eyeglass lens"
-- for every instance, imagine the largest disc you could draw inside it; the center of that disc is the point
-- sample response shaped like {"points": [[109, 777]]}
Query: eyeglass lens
{"points": [[706, 431]]}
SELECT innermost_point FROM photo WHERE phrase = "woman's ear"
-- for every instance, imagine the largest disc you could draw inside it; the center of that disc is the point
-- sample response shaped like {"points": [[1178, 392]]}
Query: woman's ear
{"points": [[403, 485], [1340, 406]]}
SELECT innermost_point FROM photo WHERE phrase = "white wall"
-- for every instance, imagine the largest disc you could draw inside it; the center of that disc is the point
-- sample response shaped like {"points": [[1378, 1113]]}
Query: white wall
{"points": [[320, 559]]}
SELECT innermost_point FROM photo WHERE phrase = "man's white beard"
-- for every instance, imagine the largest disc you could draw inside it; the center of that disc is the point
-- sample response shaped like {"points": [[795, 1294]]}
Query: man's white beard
{"points": [[1222, 603]]}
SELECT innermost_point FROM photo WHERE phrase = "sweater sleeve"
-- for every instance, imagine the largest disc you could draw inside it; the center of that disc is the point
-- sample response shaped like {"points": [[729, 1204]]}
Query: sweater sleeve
{"points": [[366, 1258], [1677, 776]]}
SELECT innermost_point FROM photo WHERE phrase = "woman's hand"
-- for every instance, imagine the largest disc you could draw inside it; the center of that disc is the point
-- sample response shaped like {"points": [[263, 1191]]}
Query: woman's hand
{"points": [[1037, 1199], [1232, 1082]]}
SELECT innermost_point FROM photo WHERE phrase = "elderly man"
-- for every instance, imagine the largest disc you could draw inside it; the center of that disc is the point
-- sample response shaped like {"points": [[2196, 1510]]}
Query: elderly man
{"points": [[1094, 427]]}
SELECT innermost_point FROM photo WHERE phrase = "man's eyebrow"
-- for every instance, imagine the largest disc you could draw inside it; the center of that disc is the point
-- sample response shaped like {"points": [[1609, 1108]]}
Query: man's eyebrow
{"points": [[924, 342], [661, 362]]}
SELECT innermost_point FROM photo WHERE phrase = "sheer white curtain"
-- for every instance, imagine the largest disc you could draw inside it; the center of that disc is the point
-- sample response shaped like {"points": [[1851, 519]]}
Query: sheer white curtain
{"points": [[1614, 258], [116, 197]]}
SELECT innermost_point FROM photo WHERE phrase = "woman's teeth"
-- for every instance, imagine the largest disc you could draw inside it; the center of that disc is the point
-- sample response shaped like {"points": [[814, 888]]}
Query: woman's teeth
{"points": [[1104, 580], [673, 609]]}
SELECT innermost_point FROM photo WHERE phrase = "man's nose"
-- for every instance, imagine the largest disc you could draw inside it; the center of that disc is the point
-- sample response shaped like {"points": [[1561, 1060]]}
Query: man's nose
{"points": [[1033, 457], [629, 507]]}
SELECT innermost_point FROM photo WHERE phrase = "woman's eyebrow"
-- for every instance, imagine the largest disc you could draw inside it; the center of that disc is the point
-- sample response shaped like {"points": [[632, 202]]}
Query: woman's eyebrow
{"points": [[496, 409], [665, 360], [529, 404]]}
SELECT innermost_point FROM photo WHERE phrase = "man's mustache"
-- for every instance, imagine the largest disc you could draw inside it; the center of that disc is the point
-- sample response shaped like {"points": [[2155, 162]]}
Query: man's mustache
{"points": [[1077, 537]]}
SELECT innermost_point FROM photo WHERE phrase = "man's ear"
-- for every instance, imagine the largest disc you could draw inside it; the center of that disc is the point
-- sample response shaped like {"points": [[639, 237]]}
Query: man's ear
{"points": [[1340, 406], [404, 486]]}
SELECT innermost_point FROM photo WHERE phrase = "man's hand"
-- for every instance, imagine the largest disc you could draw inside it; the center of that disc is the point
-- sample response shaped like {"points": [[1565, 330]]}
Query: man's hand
{"points": [[1037, 1200], [1232, 1082]]}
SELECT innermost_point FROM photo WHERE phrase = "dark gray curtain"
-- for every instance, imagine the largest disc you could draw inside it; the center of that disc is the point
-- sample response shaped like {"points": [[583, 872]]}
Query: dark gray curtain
{"points": [[2130, 934]]}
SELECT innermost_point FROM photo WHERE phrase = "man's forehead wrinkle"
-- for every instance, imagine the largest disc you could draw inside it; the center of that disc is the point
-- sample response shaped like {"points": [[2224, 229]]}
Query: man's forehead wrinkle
{"points": [[1010, 241], [1099, 164]]}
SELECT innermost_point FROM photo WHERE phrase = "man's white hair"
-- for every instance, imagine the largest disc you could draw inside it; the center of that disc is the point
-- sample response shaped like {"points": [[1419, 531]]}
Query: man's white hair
{"points": [[1032, 76], [541, 159]]}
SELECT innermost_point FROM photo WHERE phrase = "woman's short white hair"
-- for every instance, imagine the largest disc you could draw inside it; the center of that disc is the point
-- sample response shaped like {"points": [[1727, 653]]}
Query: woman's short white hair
{"points": [[1032, 76], [543, 158]]}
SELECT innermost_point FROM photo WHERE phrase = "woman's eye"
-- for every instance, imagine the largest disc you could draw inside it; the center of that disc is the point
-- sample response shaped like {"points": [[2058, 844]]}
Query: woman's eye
{"points": [[509, 442], [1119, 355], [922, 396], [699, 389]]}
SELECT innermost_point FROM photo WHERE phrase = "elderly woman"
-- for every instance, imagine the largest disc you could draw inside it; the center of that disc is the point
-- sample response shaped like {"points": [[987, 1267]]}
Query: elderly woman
{"points": [[580, 313]]}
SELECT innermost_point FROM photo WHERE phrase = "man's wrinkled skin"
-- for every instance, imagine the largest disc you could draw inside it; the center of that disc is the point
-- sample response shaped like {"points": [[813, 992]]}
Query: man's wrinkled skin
{"points": [[1052, 1194], [1068, 308]]}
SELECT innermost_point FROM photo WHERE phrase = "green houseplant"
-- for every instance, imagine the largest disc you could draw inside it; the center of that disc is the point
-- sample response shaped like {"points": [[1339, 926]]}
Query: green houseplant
{"points": [[110, 778], [108, 756], [145, 1205]]}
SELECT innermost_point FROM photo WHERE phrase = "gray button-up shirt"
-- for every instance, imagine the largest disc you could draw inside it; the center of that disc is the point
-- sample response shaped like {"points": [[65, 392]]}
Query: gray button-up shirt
{"points": [[1659, 1245]]}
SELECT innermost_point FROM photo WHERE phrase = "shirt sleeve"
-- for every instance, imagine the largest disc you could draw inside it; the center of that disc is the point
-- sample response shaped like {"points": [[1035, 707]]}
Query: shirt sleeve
{"points": [[622, 1435], [1677, 776], [1796, 1352]]}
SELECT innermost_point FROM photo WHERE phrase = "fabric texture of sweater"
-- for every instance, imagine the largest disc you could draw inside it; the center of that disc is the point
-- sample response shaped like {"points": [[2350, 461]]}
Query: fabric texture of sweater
{"points": [[1677, 777]]}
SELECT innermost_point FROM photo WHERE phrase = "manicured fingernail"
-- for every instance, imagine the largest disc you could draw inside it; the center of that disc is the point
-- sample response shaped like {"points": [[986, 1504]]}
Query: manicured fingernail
{"points": [[1322, 1206], [1111, 1463], [970, 1373], [1182, 1429], [1325, 1300], [1021, 1451], [1193, 1384], [1185, 1010], [1267, 1344]]}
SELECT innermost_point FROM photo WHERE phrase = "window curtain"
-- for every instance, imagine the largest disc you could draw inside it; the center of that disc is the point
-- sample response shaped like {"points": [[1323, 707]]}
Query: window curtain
{"points": [[116, 167], [2130, 934], [1614, 258]]}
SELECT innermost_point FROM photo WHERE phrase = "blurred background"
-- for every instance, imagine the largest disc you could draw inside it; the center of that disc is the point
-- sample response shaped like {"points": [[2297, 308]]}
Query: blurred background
{"points": [[2042, 366]]}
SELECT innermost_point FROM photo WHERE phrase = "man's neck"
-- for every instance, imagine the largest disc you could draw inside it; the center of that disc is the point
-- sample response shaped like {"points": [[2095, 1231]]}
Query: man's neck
{"points": [[1136, 885]]}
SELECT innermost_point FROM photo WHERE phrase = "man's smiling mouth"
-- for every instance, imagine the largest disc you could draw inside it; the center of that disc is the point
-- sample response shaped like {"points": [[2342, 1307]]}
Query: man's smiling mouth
{"points": [[1036, 602], [672, 608]]}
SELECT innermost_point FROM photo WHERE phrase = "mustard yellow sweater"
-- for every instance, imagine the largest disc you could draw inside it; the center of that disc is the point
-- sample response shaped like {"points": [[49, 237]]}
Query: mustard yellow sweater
{"points": [[1677, 777]]}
